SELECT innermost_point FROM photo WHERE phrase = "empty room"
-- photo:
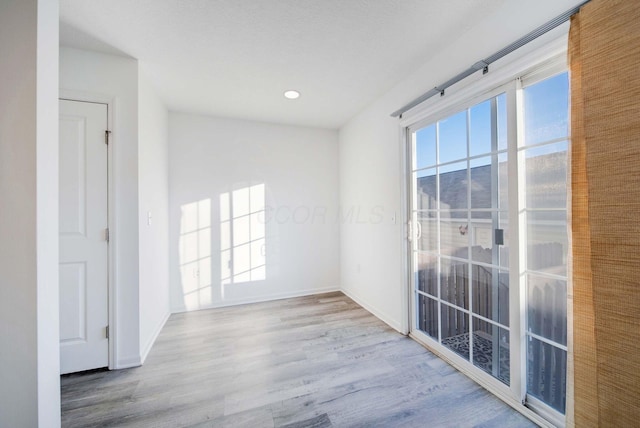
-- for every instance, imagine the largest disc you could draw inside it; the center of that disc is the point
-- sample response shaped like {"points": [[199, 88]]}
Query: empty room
{"points": [[306, 213]]}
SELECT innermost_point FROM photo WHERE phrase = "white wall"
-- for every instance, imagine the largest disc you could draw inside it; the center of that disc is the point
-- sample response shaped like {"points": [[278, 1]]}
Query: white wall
{"points": [[371, 248], [210, 156], [91, 74], [153, 128], [372, 267], [29, 364]]}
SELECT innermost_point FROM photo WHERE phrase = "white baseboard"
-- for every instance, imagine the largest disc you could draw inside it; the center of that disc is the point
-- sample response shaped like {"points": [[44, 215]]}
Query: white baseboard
{"points": [[394, 324], [258, 299], [127, 363], [147, 348]]}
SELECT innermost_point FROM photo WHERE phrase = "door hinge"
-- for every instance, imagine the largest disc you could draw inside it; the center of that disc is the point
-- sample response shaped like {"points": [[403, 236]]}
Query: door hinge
{"points": [[106, 234], [106, 331], [106, 136]]}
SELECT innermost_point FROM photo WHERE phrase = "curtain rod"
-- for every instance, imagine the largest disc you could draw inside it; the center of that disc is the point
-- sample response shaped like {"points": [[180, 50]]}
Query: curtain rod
{"points": [[484, 64]]}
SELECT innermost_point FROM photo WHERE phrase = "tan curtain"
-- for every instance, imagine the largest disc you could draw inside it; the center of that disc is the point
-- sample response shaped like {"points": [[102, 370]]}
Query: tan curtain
{"points": [[604, 56]]}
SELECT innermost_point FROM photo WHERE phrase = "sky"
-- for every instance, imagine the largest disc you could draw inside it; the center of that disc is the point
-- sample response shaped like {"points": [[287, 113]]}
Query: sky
{"points": [[546, 107]]}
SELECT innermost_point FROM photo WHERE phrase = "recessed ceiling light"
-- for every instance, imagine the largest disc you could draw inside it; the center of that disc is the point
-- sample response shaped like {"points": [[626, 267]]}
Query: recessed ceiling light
{"points": [[292, 95]]}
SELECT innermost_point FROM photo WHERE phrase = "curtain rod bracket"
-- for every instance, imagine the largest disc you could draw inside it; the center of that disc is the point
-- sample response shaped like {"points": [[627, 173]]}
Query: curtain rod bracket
{"points": [[480, 65]]}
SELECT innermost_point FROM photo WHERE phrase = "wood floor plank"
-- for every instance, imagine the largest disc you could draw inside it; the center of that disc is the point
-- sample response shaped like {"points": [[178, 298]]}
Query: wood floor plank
{"points": [[314, 361]]}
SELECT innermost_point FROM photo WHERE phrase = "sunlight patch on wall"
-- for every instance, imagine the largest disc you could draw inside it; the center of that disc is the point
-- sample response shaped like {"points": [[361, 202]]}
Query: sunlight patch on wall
{"points": [[242, 235], [195, 253]]}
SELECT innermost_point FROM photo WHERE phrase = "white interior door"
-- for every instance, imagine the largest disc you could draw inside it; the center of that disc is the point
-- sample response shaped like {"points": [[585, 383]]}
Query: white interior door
{"points": [[83, 237]]}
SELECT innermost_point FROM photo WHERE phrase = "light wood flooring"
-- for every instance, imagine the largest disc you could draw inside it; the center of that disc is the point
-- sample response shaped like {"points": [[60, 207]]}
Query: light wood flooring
{"points": [[316, 361]]}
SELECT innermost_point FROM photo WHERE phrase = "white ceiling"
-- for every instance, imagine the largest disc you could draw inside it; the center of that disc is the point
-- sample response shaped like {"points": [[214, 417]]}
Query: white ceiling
{"points": [[235, 58]]}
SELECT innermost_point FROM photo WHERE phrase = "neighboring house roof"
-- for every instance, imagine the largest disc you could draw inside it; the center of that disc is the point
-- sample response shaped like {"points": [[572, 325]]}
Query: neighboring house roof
{"points": [[545, 177]]}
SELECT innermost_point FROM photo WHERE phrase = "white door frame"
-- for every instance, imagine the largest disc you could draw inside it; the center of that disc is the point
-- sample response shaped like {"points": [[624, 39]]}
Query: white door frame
{"points": [[88, 97]]}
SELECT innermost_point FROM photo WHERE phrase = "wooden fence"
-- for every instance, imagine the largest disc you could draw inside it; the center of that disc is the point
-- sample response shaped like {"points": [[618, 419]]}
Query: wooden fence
{"points": [[547, 364], [547, 315], [455, 290]]}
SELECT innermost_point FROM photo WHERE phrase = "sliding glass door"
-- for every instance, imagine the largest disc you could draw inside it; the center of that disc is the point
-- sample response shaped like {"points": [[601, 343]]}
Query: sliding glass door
{"points": [[488, 238], [543, 156], [460, 211]]}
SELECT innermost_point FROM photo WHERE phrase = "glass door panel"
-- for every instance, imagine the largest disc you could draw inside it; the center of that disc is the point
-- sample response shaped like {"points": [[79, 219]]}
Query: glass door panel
{"points": [[491, 349], [454, 282], [426, 273], [460, 213], [452, 138], [544, 154], [454, 329], [428, 315]]}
